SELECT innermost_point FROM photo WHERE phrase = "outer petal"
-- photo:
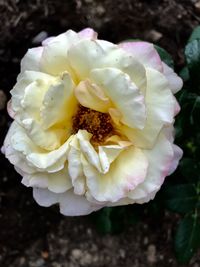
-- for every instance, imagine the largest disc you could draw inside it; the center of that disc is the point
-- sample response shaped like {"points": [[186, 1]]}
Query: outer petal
{"points": [[44, 197], [37, 82], [160, 159], [88, 33], [70, 204], [54, 56], [35, 157], [14, 156], [126, 172], [145, 53], [178, 153], [57, 182], [160, 105], [175, 82], [74, 205], [123, 93], [31, 60]]}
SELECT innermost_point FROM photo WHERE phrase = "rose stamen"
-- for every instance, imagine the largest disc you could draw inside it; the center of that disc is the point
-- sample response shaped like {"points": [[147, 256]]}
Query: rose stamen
{"points": [[97, 123]]}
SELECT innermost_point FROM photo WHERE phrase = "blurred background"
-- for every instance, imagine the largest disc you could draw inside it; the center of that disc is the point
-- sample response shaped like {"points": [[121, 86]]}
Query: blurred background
{"points": [[32, 236]]}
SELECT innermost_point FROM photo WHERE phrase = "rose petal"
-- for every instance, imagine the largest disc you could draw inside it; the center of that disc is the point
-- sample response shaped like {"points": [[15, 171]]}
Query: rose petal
{"points": [[126, 172], [92, 96], [87, 55], [160, 106], [175, 82], [145, 53], [123, 93], [88, 33], [54, 56], [58, 99], [160, 159], [178, 153], [31, 59]]}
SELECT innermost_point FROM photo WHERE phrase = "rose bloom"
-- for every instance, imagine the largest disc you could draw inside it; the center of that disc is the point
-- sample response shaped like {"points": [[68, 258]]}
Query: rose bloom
{"points": [[93, 122]]}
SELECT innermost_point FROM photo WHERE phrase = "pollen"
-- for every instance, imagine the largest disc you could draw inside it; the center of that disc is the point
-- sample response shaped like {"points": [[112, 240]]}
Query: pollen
{"points": [[97, 123]]}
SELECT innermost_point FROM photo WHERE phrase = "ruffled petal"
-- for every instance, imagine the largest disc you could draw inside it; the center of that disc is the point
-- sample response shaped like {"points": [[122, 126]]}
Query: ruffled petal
{"points": [[31, 60], [45, 139], [87, 55], [88, 33], [126, 172], [92, 96], [58, 103], [123, 93], [160, 159], [160, 106], [54, 56], [145, 53], [175, 82]]}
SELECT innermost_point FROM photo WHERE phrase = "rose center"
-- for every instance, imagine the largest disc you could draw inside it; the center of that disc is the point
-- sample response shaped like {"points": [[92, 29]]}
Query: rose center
{"points": [[97, 123]]}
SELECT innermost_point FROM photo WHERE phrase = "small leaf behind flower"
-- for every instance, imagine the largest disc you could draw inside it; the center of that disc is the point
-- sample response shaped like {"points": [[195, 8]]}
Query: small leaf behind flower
{"points": [[181, 198]]}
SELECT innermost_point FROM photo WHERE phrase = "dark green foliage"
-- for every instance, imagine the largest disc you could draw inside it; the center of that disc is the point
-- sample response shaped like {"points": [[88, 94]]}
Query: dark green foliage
{"points": [[187, 239], [181, 198]]}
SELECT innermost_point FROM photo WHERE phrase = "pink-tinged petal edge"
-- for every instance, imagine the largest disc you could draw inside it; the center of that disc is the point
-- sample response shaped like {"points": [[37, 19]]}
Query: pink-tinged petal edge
{"points": [[10, 110], [145, 53], [88, 33], [178, 153]]}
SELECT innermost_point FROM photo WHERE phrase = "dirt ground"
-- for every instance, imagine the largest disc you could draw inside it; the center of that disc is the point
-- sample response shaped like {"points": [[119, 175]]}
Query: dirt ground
{"points": [[32, 236]]}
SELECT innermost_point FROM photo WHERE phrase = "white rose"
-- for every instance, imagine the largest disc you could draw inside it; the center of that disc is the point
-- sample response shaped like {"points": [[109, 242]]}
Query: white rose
{"points": [[93, 122]]}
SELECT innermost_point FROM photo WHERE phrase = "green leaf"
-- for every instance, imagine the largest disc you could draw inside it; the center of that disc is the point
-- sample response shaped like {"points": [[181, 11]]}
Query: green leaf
{"points": [[195, 34], [187, 238], [165, 56], [103, 221], [181, 198], [192, 55]]}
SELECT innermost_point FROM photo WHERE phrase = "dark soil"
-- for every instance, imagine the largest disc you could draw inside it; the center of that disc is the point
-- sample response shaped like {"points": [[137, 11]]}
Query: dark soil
{"points": [[32, 236]]}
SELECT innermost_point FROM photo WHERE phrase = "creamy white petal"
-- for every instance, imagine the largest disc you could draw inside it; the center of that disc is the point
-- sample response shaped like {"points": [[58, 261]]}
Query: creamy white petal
{"points": [[87, 55], [178, 153], [145, 53], [31, 60], [88, 33], [58, 103], [92, 96], [123, 93], [160, 158], [160, 106], [54, 56], [44, 197], [126, 172], [52, 161], [49, 139], [175, 82], [74, 205]]}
